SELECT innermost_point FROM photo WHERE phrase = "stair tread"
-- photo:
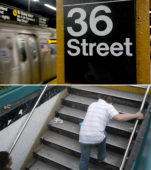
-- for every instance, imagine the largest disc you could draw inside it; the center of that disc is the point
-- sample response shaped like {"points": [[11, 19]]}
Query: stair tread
{"points": [[125, 126], [74, 112], [87, 101], [39, 165], [111, 92], [62, 158], [66, 125], [68, 142], [74, 128]]}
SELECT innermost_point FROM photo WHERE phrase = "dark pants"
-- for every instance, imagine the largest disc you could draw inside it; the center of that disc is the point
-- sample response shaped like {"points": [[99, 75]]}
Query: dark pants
{"points": [[86, 151]]}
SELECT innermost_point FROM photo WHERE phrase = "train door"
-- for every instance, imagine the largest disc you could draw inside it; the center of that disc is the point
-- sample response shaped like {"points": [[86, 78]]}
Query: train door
{"points": [[46, 70], [53, 59], [24, 59], [34, 59], [9, 64]]}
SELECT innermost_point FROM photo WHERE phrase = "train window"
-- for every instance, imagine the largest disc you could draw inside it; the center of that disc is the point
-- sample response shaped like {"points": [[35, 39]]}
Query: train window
{"points": [[21, 47], [33, 47], [53, 49]]}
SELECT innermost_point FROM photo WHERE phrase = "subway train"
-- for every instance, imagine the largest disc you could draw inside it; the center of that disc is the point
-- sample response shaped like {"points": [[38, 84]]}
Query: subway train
{"points": [[26, 54]]}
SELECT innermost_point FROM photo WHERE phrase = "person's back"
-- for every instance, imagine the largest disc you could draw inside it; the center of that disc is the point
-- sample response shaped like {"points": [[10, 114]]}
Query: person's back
{"points": [[97, 118]]}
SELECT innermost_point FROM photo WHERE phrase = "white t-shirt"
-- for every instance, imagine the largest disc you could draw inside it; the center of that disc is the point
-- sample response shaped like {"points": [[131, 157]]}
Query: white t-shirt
{"points": [[97, 118]]}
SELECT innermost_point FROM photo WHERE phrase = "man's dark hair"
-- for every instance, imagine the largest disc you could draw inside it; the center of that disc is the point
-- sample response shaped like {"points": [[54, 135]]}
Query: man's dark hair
{"points": [[109, 99], [4, 159]]}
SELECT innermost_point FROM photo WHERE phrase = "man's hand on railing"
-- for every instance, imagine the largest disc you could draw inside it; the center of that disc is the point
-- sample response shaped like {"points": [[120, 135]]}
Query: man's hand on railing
{"points": [[127, 116], [140, 115]]}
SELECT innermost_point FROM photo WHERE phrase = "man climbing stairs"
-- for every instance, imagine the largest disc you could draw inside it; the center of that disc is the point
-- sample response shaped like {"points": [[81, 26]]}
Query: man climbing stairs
{"points": [[60, 149]]}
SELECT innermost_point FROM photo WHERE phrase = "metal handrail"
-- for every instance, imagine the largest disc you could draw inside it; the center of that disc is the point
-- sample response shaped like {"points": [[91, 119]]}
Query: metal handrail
{"points": [[26, 122], [134, 129], [29, 6]]}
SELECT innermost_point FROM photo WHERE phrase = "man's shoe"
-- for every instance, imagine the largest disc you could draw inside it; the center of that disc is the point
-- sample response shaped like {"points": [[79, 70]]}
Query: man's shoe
{"points": [[101, 160]]}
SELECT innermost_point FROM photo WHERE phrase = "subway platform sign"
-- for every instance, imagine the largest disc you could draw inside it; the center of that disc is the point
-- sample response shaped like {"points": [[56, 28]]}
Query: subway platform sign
{"points": [[100, 45], [19, 16]]}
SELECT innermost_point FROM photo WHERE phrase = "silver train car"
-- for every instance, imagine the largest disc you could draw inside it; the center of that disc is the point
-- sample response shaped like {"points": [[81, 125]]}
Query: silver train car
{"points": [[26, 57]]}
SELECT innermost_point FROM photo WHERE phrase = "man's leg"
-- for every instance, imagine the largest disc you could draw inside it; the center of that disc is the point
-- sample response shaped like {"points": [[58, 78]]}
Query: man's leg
{"points": [[102, 149], [85, 156]]}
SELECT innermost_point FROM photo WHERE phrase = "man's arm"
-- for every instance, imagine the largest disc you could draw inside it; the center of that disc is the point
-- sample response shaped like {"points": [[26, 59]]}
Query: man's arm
{"points": [[126, 117]]}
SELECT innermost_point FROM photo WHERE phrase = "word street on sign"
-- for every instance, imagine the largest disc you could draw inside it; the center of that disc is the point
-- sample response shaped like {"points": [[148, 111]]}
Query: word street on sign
{"points": [[100, 45]]}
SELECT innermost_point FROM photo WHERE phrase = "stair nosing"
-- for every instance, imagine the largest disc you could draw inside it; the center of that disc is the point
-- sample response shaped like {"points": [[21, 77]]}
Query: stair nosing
{"points": [[76, 131], [108, 141], [60, 163], [104, 92], [119, 107]]}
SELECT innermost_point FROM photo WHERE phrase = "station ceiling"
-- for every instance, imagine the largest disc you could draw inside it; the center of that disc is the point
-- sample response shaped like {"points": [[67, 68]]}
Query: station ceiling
{"points": [[36, 7]]}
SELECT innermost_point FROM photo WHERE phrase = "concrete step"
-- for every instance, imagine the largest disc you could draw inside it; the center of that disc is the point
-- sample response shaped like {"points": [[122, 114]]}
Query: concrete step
{"points": [[121, 97], [73, 115], [40, 165], [138, 89], [60, 160], [82, 103], [71, 145], [72, 129]]}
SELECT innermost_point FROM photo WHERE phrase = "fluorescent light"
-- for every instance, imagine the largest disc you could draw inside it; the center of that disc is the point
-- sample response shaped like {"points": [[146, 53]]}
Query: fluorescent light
{"points": [[36, 0], [49, 6], [150, 12]]}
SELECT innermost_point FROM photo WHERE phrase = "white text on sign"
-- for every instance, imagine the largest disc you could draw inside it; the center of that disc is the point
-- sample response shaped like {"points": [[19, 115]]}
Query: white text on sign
{"points": [[77, 47]]}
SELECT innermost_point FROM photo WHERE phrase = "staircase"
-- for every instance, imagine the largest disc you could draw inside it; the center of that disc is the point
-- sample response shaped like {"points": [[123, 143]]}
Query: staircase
{"points": [[60, 149]]}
